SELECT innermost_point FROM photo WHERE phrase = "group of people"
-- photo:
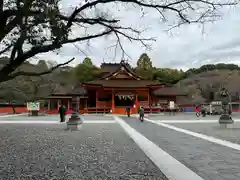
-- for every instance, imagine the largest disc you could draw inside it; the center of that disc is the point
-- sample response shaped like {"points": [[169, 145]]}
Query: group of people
{"points": [[140, 112], [200, 110], [62, 112]]}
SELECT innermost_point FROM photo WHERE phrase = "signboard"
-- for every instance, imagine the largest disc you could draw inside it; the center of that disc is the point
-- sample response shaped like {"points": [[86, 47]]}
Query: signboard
{"points": [[216, 103], [33, 106], [171, 104], [125, 97]]}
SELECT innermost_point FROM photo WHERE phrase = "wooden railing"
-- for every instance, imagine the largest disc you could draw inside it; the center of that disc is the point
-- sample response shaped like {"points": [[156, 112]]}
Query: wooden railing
{"points": [[98, 110], [155, 110]]}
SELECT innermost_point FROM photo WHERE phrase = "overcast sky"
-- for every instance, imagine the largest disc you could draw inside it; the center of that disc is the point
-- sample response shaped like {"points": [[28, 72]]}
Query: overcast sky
{"points": [[184, 47]]}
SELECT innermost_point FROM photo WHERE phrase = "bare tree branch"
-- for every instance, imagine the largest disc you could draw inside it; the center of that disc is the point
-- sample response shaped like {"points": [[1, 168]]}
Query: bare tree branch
{"points": [[23, 73], [9, 68], [43, 27], [6, 49]]}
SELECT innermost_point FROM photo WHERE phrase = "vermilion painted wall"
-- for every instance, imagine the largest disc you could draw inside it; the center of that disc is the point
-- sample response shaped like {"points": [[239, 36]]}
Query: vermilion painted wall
{"points": [[24, 110], [10, 110]]}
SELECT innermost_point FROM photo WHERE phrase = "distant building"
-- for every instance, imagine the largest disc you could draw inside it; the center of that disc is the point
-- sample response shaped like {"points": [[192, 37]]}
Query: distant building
{"points": [[117, 88]]}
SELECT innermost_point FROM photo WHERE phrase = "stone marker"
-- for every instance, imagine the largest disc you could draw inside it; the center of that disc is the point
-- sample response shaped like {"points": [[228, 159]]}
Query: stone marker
{"points": [[75, 122], [225, 119]]}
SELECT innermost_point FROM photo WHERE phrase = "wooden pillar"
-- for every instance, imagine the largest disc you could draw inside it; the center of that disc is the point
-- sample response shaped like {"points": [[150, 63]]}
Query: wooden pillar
{"points": [[58, 103], [150, 100], [68, 105], [78, 100], [136, 104], [136, 101], [113, 103], [49, 104], [96, 98]]}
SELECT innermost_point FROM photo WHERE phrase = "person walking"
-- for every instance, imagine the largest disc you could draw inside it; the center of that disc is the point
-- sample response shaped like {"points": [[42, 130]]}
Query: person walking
{"points": [[203, 111], [128, 109], [141, 114], [197, 111], [62, 113]]}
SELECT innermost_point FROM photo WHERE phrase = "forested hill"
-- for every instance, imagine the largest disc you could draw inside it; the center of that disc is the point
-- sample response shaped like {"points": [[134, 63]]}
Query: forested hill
{"points": [[210, 67], [198, 82]]}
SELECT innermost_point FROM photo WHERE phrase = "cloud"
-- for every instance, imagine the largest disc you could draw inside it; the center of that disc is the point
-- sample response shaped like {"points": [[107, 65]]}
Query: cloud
{"points": [[183, 47]]}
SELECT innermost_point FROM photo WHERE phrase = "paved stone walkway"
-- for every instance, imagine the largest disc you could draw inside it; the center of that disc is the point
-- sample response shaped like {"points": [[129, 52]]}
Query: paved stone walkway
{"points": [[188, 116], [97, 152], [213, 129], [208, 160], [105, 151]]}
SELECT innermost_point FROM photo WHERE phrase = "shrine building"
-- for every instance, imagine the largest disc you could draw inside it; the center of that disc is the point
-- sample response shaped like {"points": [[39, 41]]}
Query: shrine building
{"points": [[117, 88]]}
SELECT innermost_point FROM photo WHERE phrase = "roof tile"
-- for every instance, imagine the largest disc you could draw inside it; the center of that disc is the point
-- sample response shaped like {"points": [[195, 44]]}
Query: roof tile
{"points": [[123, 83]]}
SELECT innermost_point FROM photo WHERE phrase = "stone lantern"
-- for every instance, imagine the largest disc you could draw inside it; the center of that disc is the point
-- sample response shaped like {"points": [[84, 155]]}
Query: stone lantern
{"points": [[225, 119], [75, 122]]}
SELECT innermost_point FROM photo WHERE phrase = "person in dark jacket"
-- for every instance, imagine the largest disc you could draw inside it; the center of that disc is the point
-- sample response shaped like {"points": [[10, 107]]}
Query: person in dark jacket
{"points": [[128, 110], [62, 113], [203, 111], [141, 113]]}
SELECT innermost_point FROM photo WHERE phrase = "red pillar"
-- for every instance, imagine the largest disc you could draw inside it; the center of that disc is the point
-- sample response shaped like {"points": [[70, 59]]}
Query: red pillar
{"points": [[149, 100], [137, 104], [96, 98], [113, 103]]}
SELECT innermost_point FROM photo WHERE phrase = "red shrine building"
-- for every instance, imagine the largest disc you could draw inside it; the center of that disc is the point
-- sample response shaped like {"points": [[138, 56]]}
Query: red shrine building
{"points": [[118, 87]]}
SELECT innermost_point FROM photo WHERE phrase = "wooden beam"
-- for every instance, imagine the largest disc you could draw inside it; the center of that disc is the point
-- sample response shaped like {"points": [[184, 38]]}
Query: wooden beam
{"points": [[62, 97]]}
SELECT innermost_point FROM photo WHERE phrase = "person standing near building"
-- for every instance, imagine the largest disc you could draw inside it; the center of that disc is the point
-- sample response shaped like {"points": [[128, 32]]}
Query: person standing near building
{"points": [[203, 111], [171, 107], [62, 113], [210, 109], [141, 113], [128, 110]]}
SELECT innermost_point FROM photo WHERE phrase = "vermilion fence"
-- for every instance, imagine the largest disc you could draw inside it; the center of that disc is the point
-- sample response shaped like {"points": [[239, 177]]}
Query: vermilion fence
{"points": [[96, 110], [10, 110]]}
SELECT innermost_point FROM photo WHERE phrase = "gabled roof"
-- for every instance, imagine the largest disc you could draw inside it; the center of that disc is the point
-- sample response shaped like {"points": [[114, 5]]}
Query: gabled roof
{"points": [[59, 90], [69, 90], [121, 67], [130, 83], [78, 90], [122, 76], [109, 67]]}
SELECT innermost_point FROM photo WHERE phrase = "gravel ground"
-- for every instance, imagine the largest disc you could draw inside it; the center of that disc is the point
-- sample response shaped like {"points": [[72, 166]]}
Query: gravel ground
{"points": [[55, 118], [210, 161], [97, 117], [47, 152], [214, 129], [31, 118]]}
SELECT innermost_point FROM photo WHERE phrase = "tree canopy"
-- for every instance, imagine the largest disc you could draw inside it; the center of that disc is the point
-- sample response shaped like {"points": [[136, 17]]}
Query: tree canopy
{"points": [[204, 81], [144, 66], [87, 61], [85, 72], [32, 27]]}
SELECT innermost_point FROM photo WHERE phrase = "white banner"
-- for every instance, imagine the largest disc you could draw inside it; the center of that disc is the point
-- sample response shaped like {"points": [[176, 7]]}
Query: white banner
{"points": [[33, 106], [171, 105]]}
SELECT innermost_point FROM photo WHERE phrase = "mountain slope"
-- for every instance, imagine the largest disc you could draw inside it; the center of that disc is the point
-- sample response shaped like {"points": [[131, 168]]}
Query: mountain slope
{"points": [[204, 83]]}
